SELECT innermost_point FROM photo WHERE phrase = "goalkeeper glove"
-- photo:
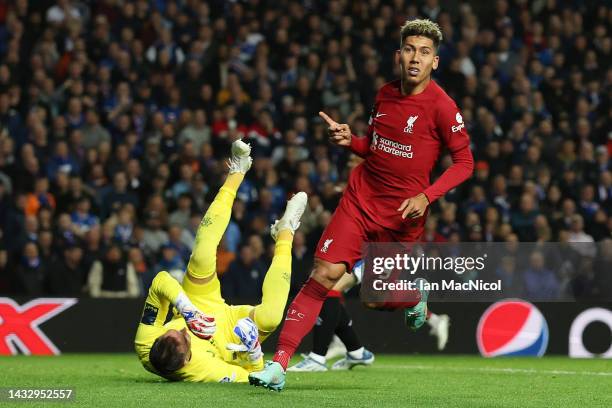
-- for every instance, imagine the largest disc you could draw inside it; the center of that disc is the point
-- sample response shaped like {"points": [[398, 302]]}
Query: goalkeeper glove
{"points": [[247, 332], [201, 325]]}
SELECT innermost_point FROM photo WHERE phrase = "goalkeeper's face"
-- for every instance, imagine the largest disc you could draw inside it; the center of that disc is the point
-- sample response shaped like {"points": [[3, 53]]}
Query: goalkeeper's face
{"points": [[181, 339], [171, 351]]}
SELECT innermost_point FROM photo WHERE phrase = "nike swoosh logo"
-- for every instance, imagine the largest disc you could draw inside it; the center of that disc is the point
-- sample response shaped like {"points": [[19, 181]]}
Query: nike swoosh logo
{"points": [[378, 115], [291, 318]]}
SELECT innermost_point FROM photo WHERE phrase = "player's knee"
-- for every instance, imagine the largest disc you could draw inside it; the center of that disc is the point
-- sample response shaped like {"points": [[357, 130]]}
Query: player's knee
{"points": [[327, 273], [159, 278], [267, 320]]}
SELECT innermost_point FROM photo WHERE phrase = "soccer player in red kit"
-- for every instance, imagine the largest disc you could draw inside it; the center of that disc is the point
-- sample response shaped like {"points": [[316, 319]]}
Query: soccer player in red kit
{"points": [[388, 195]]}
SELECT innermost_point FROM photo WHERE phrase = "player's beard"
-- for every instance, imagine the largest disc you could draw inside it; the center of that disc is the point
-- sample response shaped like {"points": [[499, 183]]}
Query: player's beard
{"points": [[414, 81]]}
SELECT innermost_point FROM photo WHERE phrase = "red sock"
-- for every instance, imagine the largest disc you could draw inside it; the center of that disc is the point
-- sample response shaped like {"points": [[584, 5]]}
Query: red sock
{"points": [[301, 317]]}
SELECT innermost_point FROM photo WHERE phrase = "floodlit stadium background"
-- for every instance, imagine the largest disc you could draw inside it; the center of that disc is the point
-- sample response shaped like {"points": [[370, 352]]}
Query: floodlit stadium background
{"points": [[116, 118]]}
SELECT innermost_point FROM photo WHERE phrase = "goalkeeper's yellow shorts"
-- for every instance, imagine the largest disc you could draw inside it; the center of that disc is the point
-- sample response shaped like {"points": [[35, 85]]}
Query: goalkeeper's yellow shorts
{"points": [[207, 298]]}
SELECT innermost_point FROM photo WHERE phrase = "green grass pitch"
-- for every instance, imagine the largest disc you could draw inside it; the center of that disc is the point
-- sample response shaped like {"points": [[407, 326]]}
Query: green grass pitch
{"points": [[117, 380]]}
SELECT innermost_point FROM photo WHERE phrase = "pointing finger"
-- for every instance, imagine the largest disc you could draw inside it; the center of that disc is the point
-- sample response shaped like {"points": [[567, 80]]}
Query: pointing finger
{"points": [[330, 121]]}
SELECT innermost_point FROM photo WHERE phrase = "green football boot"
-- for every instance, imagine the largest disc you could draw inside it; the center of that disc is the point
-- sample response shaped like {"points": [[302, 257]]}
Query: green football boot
{"points": [[415, 316], [271, 377]]}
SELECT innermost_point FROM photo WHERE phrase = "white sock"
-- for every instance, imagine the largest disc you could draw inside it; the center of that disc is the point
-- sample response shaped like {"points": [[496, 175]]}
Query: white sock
{"points": [[433, 320], [319, 359], [357, 353]]}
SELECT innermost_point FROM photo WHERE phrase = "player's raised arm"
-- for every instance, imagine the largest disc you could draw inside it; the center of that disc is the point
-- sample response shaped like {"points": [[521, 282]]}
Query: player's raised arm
{"points": [[339, 133]]}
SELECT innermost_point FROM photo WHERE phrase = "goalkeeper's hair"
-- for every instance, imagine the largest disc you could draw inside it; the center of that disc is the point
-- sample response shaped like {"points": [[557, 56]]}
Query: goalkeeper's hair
{"points": [[424, 28], [165, 355]]}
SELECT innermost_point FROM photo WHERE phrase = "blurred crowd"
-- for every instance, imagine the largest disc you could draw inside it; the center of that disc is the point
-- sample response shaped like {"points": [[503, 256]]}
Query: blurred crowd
{"points": [[116, 117]]}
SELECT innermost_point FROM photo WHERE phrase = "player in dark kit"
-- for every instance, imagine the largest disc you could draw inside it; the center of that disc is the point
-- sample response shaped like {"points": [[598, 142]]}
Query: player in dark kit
{"points": [[388, 195]]}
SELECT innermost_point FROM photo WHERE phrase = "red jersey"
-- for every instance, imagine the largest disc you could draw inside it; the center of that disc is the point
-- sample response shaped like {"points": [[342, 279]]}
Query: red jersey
{"points": [[405, 137]]}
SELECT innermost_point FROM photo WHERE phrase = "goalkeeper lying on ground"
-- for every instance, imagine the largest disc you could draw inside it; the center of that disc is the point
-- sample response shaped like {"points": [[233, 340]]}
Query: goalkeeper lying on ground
{"points": [[208, 340]]}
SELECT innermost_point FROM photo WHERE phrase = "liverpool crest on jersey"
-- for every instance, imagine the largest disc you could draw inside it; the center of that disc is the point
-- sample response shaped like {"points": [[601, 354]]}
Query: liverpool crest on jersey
{"points": [[410, 123]]}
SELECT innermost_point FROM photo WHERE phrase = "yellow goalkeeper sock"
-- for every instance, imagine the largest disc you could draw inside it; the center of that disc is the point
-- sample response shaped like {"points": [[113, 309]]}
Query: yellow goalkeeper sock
{"points": [[277, 282], [203, 262]]}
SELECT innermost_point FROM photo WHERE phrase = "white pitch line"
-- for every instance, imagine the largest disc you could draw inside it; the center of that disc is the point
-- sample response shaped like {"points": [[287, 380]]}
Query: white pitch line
{"points": [[507, 370]]}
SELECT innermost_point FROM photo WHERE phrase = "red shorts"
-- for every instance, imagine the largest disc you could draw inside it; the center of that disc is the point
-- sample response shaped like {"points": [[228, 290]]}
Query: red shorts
{"points": [[349, 228]]}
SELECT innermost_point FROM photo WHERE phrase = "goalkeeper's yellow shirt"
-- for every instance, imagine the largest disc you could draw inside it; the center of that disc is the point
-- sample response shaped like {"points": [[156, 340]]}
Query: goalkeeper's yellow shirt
{"points": [[210, 360]]}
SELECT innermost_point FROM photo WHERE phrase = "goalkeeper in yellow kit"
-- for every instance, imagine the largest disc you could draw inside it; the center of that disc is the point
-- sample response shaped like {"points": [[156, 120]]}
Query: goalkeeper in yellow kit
{"points": [[206, 339]]}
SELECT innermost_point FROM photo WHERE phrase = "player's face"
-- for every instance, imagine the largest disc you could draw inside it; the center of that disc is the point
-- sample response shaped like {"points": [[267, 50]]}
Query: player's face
{"points": [[186, 336], [182, 339], [417, 58]]}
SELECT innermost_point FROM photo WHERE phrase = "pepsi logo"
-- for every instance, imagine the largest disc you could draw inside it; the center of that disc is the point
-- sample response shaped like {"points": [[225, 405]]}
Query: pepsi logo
{"points": [[512, 328]]}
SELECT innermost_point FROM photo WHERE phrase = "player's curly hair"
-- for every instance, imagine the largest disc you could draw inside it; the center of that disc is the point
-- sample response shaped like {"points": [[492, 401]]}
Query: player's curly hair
{"points": [[422, 27], [165, 355]]}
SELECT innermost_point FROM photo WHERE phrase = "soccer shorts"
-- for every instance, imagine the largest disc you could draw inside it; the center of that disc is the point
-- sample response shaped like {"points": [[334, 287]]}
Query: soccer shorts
{"points": [[208, 299], [350, 228]]}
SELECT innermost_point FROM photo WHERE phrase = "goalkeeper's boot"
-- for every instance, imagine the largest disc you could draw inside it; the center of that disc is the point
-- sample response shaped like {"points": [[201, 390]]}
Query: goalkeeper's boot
{"points": [[307, 364], [291, 218], [439, 329], [271, 377], [416, 316], [240, 161], [348, 362]]}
